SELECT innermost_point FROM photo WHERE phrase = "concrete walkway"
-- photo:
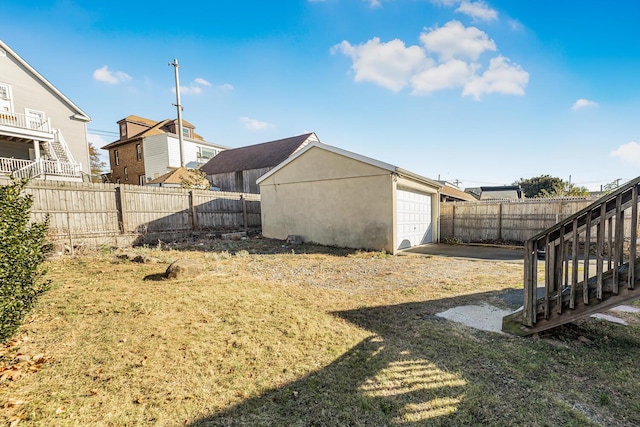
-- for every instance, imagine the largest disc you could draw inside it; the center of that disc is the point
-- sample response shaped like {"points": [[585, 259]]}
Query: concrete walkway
{"points": [[485, 316], [480, 252]]}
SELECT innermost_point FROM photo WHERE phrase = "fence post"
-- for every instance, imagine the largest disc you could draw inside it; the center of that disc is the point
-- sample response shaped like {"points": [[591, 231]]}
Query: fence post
{"points": [[500, 221], [244, 212], [121, 209], [194, 213], [453, 222], [73, 252]]}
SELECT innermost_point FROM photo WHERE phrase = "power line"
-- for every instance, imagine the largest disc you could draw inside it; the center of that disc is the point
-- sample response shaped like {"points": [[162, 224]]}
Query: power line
{"points": [[102, 132]]}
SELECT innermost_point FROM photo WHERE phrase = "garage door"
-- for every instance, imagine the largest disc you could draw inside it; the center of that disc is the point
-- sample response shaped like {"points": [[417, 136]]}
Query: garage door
{"points": [[413, 216]]}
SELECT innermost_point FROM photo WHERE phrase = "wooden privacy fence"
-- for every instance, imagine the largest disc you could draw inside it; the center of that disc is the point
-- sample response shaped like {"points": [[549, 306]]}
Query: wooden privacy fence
{"points": [[120, 215], [506, 220]]}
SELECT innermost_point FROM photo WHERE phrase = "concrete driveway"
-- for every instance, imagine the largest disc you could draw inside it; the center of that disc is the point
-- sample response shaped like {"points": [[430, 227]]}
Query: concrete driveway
{"points": [[481, 252]]}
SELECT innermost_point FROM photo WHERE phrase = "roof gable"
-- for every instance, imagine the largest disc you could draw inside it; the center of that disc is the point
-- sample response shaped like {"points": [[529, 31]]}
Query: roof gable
{"points": [[157, 128], [373, 162], [80, 115], [258, 156]]}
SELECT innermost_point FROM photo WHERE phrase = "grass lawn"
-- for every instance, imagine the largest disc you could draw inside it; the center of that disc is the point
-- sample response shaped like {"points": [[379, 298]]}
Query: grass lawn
{"points": [[309, 336]]}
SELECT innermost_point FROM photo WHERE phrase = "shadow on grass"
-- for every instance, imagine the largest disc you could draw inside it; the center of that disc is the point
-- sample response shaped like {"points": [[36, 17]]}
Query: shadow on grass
{"points": [[158, 277], [420, 370]]}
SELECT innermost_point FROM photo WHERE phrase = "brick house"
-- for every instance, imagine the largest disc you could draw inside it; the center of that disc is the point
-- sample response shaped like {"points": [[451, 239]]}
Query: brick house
{"points": [[148, 149]]}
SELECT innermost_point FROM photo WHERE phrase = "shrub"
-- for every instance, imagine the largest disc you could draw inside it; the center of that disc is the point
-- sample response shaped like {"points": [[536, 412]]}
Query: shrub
{"points": [[23, 248]]}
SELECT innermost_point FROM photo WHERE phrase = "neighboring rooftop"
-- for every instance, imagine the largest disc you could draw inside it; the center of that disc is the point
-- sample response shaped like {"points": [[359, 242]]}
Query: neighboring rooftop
{"points": [[454, 194], [177, 177], [153, 127], [501, 192], [258, 156]]}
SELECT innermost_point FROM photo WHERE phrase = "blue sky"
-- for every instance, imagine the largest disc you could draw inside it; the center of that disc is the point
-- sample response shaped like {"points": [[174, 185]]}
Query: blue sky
{"points": [[484, 92]]}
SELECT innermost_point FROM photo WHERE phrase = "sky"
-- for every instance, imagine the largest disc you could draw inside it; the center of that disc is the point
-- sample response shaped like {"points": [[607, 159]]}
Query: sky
{"points": [[479, 92]]}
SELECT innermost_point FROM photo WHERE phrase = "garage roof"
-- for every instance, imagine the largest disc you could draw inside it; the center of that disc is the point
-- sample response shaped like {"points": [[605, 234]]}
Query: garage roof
{"points": [[383, 165]]}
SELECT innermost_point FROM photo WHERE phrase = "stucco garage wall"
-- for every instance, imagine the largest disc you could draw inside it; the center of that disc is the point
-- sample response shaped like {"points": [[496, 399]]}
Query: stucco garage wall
{"points": [[330, 199]]}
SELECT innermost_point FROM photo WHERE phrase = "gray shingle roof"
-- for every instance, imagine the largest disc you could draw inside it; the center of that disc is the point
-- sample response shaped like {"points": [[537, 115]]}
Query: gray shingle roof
{"points": [[264, 155]]}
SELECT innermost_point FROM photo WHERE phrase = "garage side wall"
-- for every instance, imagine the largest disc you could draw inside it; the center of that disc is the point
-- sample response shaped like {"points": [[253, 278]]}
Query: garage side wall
{"points": [[330, 199]]}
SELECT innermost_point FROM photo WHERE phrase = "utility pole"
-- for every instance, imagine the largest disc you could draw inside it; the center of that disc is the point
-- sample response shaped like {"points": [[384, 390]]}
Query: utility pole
{"points": [[179, 107]]}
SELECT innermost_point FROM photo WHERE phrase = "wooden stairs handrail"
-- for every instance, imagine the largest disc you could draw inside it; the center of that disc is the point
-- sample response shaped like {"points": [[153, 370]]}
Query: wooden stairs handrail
{"points": [[567, 247]]}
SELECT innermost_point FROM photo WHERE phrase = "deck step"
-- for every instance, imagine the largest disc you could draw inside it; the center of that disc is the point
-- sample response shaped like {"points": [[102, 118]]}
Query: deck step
{"points": [[513, 323]]}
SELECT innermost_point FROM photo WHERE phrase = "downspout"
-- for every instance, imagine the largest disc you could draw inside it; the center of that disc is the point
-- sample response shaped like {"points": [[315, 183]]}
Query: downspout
{"points": [[394, 210]]}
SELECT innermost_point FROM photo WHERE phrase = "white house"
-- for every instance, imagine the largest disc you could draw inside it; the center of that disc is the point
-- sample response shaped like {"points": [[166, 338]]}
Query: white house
{"points": [[43, 134]]}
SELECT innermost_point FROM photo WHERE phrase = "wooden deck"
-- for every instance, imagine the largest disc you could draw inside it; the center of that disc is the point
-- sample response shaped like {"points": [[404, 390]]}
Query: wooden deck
{"points": [[590, 264]]}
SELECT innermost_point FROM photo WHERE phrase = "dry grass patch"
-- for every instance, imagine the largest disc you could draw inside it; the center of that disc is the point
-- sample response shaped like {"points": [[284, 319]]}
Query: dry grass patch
{"points": [[334, 338]]}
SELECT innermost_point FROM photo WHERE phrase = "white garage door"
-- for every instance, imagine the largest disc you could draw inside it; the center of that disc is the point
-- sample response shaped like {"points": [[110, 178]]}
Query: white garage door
{"points": [[413, 216]]}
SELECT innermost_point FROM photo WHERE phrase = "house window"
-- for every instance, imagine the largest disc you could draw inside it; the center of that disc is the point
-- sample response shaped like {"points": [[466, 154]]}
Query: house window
{"points": [[126, 174], [138, 152], [116, 157], [205, 153], [36, 119], [6, 104], [123, 130], [141, 179], [186, 132]]}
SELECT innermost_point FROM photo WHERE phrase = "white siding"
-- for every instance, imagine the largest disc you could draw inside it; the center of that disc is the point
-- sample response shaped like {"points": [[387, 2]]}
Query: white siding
{"points": [[28, 92], [156, 156], [174, 151], [162, 153]]}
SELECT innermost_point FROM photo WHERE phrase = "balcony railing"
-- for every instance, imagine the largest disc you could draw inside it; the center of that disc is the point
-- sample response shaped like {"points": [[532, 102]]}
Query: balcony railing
{"points": [[30, 169], [24, 121]]}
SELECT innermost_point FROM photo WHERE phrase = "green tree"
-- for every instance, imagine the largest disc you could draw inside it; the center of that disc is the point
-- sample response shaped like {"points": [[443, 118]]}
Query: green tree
{"points": [[541, 186], [96, 163], [574, 190], [194, 179], [549, 186], [23, 248]]}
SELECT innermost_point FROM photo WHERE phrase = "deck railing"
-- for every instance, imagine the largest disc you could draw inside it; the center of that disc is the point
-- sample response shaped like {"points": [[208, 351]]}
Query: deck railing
{"points": [[30, 169], [8, 165], [588, 258], [25, 122]]}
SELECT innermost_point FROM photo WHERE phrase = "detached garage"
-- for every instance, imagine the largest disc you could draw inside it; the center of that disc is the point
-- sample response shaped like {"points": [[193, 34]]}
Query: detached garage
{"points": [[334, 197]]}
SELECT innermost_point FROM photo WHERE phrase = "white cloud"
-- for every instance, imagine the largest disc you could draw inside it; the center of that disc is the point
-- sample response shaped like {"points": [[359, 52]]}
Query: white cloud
{"points": [[373, 3], [454, 40], [501, 77], [583, 103], [194, 88], [394, 66], [111, 77], [254, 124], [515, 25], [454, 73], [629, 153], [390, 64], [478, 10], [226, 86], [202, 82]]}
